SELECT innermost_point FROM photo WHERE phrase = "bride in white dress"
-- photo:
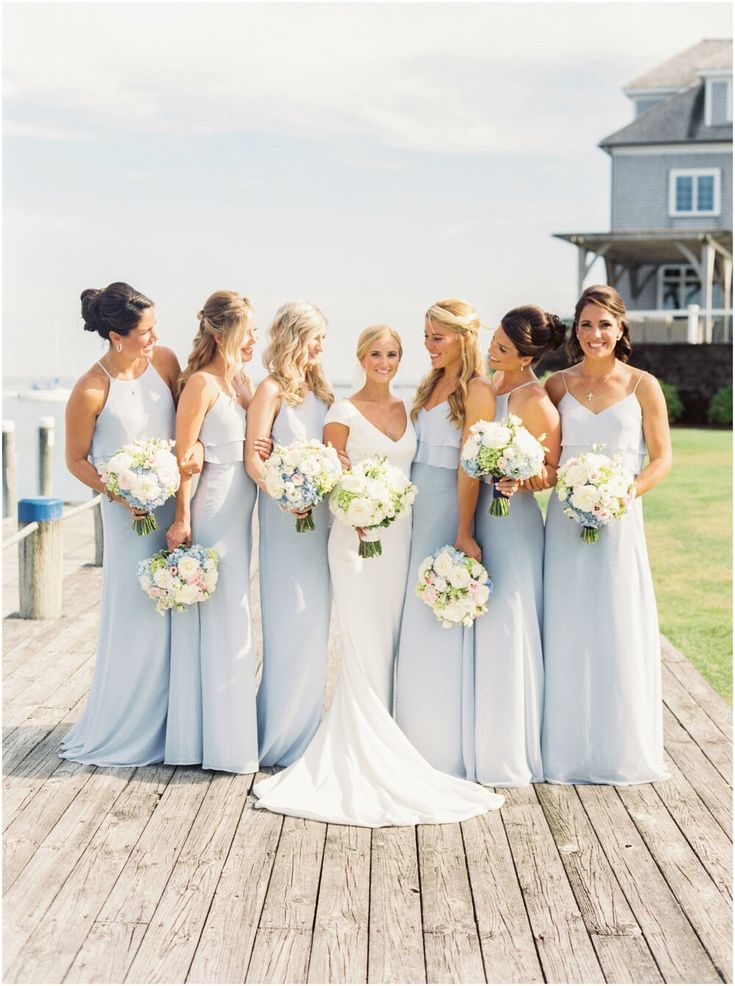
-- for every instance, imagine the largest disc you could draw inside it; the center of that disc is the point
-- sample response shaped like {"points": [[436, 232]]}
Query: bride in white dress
{"points": [[359, 768]]}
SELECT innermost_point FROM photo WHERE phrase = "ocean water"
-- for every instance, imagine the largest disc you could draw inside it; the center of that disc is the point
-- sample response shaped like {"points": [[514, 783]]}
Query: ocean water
{"points": [[26, 414]]}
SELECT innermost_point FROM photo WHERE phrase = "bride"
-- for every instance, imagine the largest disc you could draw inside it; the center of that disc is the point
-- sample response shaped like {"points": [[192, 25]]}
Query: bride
{"points": [[359, 768]]}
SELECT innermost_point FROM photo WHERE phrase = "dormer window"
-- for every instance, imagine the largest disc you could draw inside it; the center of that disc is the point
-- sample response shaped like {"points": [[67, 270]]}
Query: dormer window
{"points": [[694, 192], [718, 100]]}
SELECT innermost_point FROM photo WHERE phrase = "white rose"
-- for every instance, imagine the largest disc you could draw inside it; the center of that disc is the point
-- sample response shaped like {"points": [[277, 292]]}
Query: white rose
{"points": [[444, 563], [188, 567], [576, 475], [584, 498], [145, 489], [188, 594], [273, 485], [454, 612], [310, 467], [120, 463], [459, 577], [481, 594], [163, 578], [351, 484], [496, 436], [440, 583], [360, 513], [210, 581]]}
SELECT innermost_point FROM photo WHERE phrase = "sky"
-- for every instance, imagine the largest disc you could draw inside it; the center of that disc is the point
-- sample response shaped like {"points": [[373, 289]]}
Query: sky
{"points": [[371, 158]]}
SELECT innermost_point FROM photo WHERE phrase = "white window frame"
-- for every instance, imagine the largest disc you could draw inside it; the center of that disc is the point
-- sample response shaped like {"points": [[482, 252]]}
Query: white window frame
{"points": [[682, 268], [694, 173], [708, 99]]}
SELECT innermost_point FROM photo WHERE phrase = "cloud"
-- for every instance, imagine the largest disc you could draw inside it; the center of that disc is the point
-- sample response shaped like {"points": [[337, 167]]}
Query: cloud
{"points": [[455, 78]]}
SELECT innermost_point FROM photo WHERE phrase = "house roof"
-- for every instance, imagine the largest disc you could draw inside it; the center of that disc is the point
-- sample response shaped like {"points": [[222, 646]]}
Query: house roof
{"points": [[652, 246], [675, 120], [681, 70]]}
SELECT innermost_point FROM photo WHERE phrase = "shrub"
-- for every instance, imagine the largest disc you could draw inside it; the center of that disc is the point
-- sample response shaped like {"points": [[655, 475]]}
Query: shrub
{"points": [[674, 403], [720, 407]]}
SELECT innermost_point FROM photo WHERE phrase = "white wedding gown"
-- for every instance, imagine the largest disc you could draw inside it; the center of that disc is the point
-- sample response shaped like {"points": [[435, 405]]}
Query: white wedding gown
{"points": [[359, 768]]}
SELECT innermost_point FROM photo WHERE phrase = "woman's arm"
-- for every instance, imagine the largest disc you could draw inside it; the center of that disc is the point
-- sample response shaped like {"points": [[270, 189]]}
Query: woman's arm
{"points": [[480, 404], [197, 397], [541, 418], [656, 434], [166, 363], [262, 412]]}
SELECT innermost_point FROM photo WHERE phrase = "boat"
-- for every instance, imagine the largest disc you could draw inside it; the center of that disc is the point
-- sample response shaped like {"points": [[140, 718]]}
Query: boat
{"points": [[50, 391]]}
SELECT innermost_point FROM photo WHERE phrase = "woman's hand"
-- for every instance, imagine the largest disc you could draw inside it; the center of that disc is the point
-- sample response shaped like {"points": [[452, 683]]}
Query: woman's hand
{"points": [[264, 447], [466, 543], [178, 533], [344, 459], [192, 460], [507, 486]]}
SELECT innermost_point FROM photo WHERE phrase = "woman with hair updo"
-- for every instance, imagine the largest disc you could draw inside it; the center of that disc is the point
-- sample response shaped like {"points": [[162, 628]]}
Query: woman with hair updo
{"points": [[359, 768], [289, 405], [509, 674], [434, 670], [127, 395], [211, 716], [602, 708]]}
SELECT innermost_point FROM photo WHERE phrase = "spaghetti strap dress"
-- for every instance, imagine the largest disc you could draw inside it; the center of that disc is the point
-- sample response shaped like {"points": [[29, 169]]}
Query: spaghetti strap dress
{"points": [[508, 672], [124, 721], [295, 602], [602, 708], [434, 682], [211, 717]]}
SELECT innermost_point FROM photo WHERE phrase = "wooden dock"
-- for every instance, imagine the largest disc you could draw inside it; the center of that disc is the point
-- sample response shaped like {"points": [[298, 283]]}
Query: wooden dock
{"points": [[170, 875]]}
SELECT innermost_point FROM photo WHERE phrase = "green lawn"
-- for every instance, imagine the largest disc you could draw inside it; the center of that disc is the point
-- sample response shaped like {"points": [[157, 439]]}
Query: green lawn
{"points": [[689, 530]]}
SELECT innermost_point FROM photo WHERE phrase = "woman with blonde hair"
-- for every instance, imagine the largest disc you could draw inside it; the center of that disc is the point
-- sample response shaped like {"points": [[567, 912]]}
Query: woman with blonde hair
{"points": [[290, 404], [211, 717], [359, 768], [434, 669]]}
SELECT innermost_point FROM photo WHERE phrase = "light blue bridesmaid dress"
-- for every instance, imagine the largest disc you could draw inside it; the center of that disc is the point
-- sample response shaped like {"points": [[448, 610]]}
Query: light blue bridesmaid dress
{"points": [[509, 674], [124, 721], [211, 716], [295, 604], [434, 700], [602, 709]]}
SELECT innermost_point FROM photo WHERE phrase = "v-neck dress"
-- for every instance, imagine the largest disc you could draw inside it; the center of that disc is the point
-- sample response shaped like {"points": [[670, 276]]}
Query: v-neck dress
{"points": [[602, 707]]}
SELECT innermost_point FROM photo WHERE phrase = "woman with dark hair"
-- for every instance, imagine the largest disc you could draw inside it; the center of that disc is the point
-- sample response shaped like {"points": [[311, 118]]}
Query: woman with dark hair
{"points": [[602, 708], [509, 674], [126, 395]]}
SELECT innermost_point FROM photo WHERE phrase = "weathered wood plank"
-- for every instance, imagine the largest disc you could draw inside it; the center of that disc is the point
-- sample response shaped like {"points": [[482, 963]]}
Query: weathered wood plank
{"points": [[605, 910], [27, 779], [339, 949], [113, 940], [39, 815], [226, 944], [711, 787], [54, 943], [506, 938], [676, 948], [283, 940], [396, 952], [713, 704], [710, 738], [700, 829], [168, 946], [564, 947], [28, 899], [451, 941], [707, 910]]}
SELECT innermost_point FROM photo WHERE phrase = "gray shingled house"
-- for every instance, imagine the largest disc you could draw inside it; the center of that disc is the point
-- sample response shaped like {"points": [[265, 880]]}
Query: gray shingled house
{"points": [[669, 249]]}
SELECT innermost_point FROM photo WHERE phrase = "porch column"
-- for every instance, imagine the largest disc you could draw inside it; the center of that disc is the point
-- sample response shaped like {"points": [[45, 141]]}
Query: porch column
{"points": [[707, 275], [726, 289], [581, 268]]}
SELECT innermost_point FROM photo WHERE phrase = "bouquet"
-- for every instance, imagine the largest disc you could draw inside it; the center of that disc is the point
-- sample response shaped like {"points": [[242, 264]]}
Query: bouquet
{"points": [[594, 490], [372, 495], [455, 586], [145, 474], [179, 578], [498, 449], [300, 475]]}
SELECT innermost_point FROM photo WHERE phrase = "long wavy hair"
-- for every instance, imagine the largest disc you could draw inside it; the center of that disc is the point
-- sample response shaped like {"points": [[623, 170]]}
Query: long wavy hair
{"points": [[461, 318], [286, 357], [225, 314]]}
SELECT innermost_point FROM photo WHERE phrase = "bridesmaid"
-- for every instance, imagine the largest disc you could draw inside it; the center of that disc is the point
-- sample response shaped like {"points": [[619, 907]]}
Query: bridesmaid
{"points": [[602, 709], [211, 716], [434, 701], [509, 675], [290, 404], [128, 394]]}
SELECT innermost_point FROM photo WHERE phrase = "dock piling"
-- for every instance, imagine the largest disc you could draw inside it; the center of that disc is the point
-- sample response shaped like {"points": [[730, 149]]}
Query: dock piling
{"points": [[10, 492], [40, 558], [46, 436]]}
